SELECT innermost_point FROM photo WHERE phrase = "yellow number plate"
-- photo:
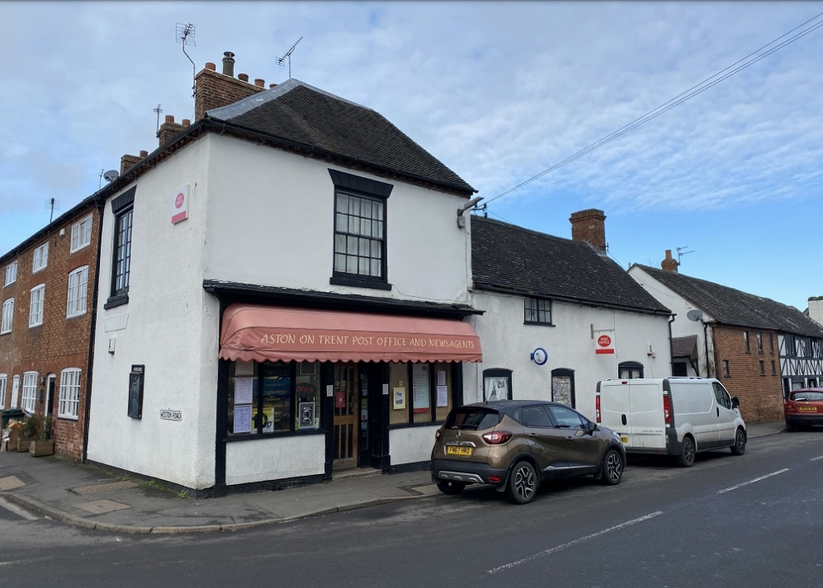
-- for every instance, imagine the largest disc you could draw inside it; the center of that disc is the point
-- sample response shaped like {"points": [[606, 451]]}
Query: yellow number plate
{"points": [[808, 408], [624, 439], [452, 450]]}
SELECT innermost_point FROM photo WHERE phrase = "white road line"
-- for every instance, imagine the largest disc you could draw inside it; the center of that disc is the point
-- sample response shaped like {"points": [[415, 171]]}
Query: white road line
{"points": [[571, 543], [816, 458], [730, 488], [16, 510]]}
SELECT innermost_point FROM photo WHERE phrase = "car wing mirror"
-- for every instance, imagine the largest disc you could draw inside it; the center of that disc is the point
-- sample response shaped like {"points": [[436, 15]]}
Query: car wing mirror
{"points": [[591, 427], [735, 402]]}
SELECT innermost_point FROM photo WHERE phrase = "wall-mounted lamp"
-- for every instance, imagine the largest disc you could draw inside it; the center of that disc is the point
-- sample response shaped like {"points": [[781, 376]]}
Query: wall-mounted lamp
{"points": [[461, 220]]}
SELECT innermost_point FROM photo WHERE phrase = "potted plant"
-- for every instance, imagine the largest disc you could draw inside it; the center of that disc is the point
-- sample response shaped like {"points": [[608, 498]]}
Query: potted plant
{"points": [[28, 432], [43, 444]]}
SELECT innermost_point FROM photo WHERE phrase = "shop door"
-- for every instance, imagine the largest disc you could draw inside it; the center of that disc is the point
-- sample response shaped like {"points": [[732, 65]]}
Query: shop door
{"points": [[346, 416]]}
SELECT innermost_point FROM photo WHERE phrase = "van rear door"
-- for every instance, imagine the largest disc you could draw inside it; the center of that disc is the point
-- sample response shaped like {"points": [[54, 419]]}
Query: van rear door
{"points": [[634, 410]]}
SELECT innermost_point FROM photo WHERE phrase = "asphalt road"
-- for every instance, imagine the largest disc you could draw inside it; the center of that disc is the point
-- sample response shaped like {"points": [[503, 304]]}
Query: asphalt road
{"points": [[754, 521]]}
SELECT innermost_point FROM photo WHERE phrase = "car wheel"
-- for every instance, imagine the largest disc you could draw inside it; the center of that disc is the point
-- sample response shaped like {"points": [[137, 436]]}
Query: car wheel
{"points": [[686, 457], [790, 427], [451, 487], [739, 447], [522, 484], [612, 468]]}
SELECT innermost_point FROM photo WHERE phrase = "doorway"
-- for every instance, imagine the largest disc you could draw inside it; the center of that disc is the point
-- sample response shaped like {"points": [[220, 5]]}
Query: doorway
{"points": [[346, 416], [50, 395]]}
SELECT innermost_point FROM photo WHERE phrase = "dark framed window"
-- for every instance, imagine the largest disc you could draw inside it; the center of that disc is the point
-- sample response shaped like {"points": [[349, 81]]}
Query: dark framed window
{"points": [[726, 372], [123, 209], [762, 368], [759, 342], [538, 311], [788, 342], [746, 346], [774, 368], [771, 342], [420, 392], [630, 370], [360, 231], [563, 386], [497, 385]]}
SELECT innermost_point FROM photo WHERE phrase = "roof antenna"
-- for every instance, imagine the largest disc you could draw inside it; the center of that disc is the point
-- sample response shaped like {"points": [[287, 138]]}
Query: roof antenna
{"points": [[288, 54], [51, 203], [185, 35], [158, 110], [681, 253]]}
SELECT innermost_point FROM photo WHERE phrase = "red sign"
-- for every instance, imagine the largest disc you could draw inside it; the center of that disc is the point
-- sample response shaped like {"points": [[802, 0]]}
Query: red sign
{"points": [[604, 345]]}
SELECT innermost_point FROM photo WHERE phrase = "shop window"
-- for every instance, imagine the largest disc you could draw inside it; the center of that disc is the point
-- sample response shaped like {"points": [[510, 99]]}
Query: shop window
{"points": [[29, 391], [11, 273], [420, 392], [630, 370], [497, 385], [538, 311], [360, 231], [273, 397]]}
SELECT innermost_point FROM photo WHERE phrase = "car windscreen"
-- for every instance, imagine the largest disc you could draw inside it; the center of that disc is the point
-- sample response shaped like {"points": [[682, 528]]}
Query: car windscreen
{"points": [[475, 418], [807, 396]]}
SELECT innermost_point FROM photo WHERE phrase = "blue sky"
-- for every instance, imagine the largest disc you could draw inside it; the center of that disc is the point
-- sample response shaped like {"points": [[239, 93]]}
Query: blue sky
{"points": [[497, 91]]}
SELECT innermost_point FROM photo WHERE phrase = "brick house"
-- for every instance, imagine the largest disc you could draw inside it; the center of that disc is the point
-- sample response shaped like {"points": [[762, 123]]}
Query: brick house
{"points": [[47, 318], [760, 349]]}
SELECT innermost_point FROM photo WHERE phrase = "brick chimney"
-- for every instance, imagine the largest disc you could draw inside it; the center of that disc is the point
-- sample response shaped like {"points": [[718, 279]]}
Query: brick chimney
{"points": [[669, 264], [129, 161], [168, 130], [590, 226], [213, 90]]}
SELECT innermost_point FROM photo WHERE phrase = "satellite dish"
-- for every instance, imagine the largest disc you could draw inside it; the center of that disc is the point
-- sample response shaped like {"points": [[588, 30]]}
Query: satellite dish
{"points": [[111, 175], [694, 315]]}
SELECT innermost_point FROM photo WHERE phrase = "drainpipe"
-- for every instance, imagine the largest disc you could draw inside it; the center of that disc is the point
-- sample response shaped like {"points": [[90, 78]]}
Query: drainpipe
{"points": [[671, 345], [706, 344]]}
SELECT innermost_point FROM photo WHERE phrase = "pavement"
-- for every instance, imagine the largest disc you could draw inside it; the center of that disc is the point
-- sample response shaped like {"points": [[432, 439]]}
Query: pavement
{"points": [[89, 496]]}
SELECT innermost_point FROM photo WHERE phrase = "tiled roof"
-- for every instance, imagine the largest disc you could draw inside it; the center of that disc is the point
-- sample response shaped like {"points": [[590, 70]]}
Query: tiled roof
{"points": [[304, 116], [735, 308], [684, 346], [512, 259]]}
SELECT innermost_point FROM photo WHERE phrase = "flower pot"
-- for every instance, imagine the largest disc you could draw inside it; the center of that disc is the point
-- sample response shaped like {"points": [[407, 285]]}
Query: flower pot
{"points": [[39, 448]]}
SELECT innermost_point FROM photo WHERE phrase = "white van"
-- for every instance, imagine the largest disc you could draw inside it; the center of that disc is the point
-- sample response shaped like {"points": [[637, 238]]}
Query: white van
{"points": [[672, 416]]}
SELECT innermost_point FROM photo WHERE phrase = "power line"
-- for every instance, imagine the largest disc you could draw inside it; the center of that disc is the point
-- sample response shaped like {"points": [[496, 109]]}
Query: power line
{"points": [[679, 99]]}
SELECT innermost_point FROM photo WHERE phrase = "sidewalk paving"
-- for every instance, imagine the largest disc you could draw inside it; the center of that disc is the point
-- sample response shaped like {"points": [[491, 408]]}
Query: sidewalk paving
{"points": [[88, 496]]}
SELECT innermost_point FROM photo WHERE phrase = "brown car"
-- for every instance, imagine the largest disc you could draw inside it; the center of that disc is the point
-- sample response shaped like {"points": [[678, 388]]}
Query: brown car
{"points": [[804, 408], [516, 444]]}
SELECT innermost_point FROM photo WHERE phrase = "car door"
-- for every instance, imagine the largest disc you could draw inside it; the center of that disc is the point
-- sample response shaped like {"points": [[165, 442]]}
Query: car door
{"points": [[725, 415], [582, 449], [546, 442]]}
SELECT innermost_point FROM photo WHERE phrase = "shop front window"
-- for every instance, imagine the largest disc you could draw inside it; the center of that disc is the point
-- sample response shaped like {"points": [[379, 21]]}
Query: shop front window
{"points": [[420, 392]]}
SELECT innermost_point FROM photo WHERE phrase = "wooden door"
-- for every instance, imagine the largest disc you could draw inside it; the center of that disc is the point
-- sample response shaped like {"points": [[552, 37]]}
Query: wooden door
{"points": [[346, 416]]}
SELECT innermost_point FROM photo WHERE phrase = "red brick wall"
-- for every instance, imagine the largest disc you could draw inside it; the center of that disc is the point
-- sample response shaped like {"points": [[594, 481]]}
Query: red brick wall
{"points": [[589, 226], [58, 343], [761, 397], [215, 90]]}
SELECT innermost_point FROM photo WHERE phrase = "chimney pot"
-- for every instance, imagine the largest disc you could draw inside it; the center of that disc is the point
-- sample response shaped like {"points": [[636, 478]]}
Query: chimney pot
{"points": [[228, 64], [169, 118], [669, 264], [186, 122], [272, 86], [143, 153], [211, 66], [243, 76], [259, 82]]}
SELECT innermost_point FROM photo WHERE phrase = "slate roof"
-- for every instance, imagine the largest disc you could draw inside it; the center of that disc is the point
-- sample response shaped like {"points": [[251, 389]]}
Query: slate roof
{"points": [[302, 115], [735, 308], [684, 346], [508, 258]]}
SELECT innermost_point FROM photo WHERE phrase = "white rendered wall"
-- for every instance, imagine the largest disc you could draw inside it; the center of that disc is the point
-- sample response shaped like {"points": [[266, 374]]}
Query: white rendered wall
{"points": [[412, 444], [681, 326], [507, 343], [271, 223], [275, 459], [169, 325]]}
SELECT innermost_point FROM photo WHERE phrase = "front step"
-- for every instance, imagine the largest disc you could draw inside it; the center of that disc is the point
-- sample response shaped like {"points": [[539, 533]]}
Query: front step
{"points": [[355, 473]]}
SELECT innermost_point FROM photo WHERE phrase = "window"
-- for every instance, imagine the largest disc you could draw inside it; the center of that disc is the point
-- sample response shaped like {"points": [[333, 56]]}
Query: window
{"points": [[566, 418], [78, 286], [722, 396], [771, 342], [11, 273], [122, 253], [746, 342], [538, 311], [81, 234], [29, 390], [36, 307], [41, 257], [774, 368], [726, 372], [8, 315], [69, 394], [497, 384], [563, 386], [628, 370], [429, 396], [359, 231], [759, 342], [3, 380], [762, 368]]}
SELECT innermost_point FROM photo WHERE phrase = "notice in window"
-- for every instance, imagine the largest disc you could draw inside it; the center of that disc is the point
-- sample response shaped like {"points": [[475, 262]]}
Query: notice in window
{"points": [[244, 368], [242, 419], [442, 396], [420, 387], [399, 398], [242, 391]]}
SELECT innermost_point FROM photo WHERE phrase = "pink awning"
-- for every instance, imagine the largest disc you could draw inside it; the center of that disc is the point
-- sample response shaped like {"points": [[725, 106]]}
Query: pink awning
{"points": [[267, 333]]}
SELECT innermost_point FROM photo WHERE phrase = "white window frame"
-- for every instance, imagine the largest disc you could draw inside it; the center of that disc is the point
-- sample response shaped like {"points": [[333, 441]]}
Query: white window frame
{"points": [[69, 406], [11, 273], [29, 391], [78, 292], [38, 296], [41, 258], [8, 316], [3, 383], [80, 234]]}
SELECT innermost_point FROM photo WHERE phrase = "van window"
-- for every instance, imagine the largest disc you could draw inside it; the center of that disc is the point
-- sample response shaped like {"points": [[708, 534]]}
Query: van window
{"points": [[722, 396]]}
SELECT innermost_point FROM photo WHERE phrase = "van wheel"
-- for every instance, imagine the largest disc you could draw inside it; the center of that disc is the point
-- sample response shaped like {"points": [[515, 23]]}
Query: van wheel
{"points": [[612, 468], [739, 447], [686, 457], [522, 484], [451, 487]]}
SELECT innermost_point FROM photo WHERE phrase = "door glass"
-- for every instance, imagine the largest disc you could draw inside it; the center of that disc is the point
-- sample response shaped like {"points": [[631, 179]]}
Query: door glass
{"points": [[346, 416], [565, 417]]}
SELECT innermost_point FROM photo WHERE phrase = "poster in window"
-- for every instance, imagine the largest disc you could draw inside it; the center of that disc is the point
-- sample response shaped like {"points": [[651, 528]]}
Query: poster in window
{"points": [[562, 390], [442, 396], [135, 409], [242, 419], [306, 412], [420, 387], [399, 398], [496, 388], [243, 390]]}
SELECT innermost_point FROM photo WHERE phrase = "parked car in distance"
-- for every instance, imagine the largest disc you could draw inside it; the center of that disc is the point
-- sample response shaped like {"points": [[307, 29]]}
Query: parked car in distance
{"points": [[514, 445], [803, 408]]}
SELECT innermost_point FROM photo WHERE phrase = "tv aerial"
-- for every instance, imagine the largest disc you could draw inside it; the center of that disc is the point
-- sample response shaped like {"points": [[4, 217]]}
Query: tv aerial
{"points": [[51, 204], [185, 36], [681, 253], [288, 55]]}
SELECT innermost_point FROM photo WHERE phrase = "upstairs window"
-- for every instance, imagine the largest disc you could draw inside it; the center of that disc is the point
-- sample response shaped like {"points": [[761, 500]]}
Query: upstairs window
{"points": [[81, 234], [123, 209], [746, 347], [76, 297], [41, 257], [759, 342], [771, 342], [11, 273], [538, 311], [8, 315], [38, 294]]}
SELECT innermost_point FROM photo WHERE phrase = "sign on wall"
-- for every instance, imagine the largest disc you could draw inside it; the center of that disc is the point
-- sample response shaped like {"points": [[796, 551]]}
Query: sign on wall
{"points": [[604, 342], [180, 205]]}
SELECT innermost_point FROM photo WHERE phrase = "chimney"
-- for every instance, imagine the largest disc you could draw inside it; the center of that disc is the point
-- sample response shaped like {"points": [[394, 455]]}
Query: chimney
{"points": [[669, 264], [816, 308], [129, 161], [168, 130], [590, 226], [213, 90]]}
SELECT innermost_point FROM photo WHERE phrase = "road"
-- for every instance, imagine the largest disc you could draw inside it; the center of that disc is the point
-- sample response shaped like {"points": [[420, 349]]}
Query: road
{"points": [[754, 521]]}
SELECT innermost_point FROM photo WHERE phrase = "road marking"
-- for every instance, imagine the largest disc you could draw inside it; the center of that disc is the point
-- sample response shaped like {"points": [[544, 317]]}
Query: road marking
{"points": [[730, 488], [572, 543], [816, 458]]}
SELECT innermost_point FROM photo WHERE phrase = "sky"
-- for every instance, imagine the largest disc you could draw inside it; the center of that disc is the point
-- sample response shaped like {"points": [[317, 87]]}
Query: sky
{"points": [[729, 177]]}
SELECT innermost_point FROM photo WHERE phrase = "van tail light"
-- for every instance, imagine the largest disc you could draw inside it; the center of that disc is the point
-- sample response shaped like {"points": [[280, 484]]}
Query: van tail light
{"points": [[497, 437], [437, 435], [597, 408], [667, 410]]}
